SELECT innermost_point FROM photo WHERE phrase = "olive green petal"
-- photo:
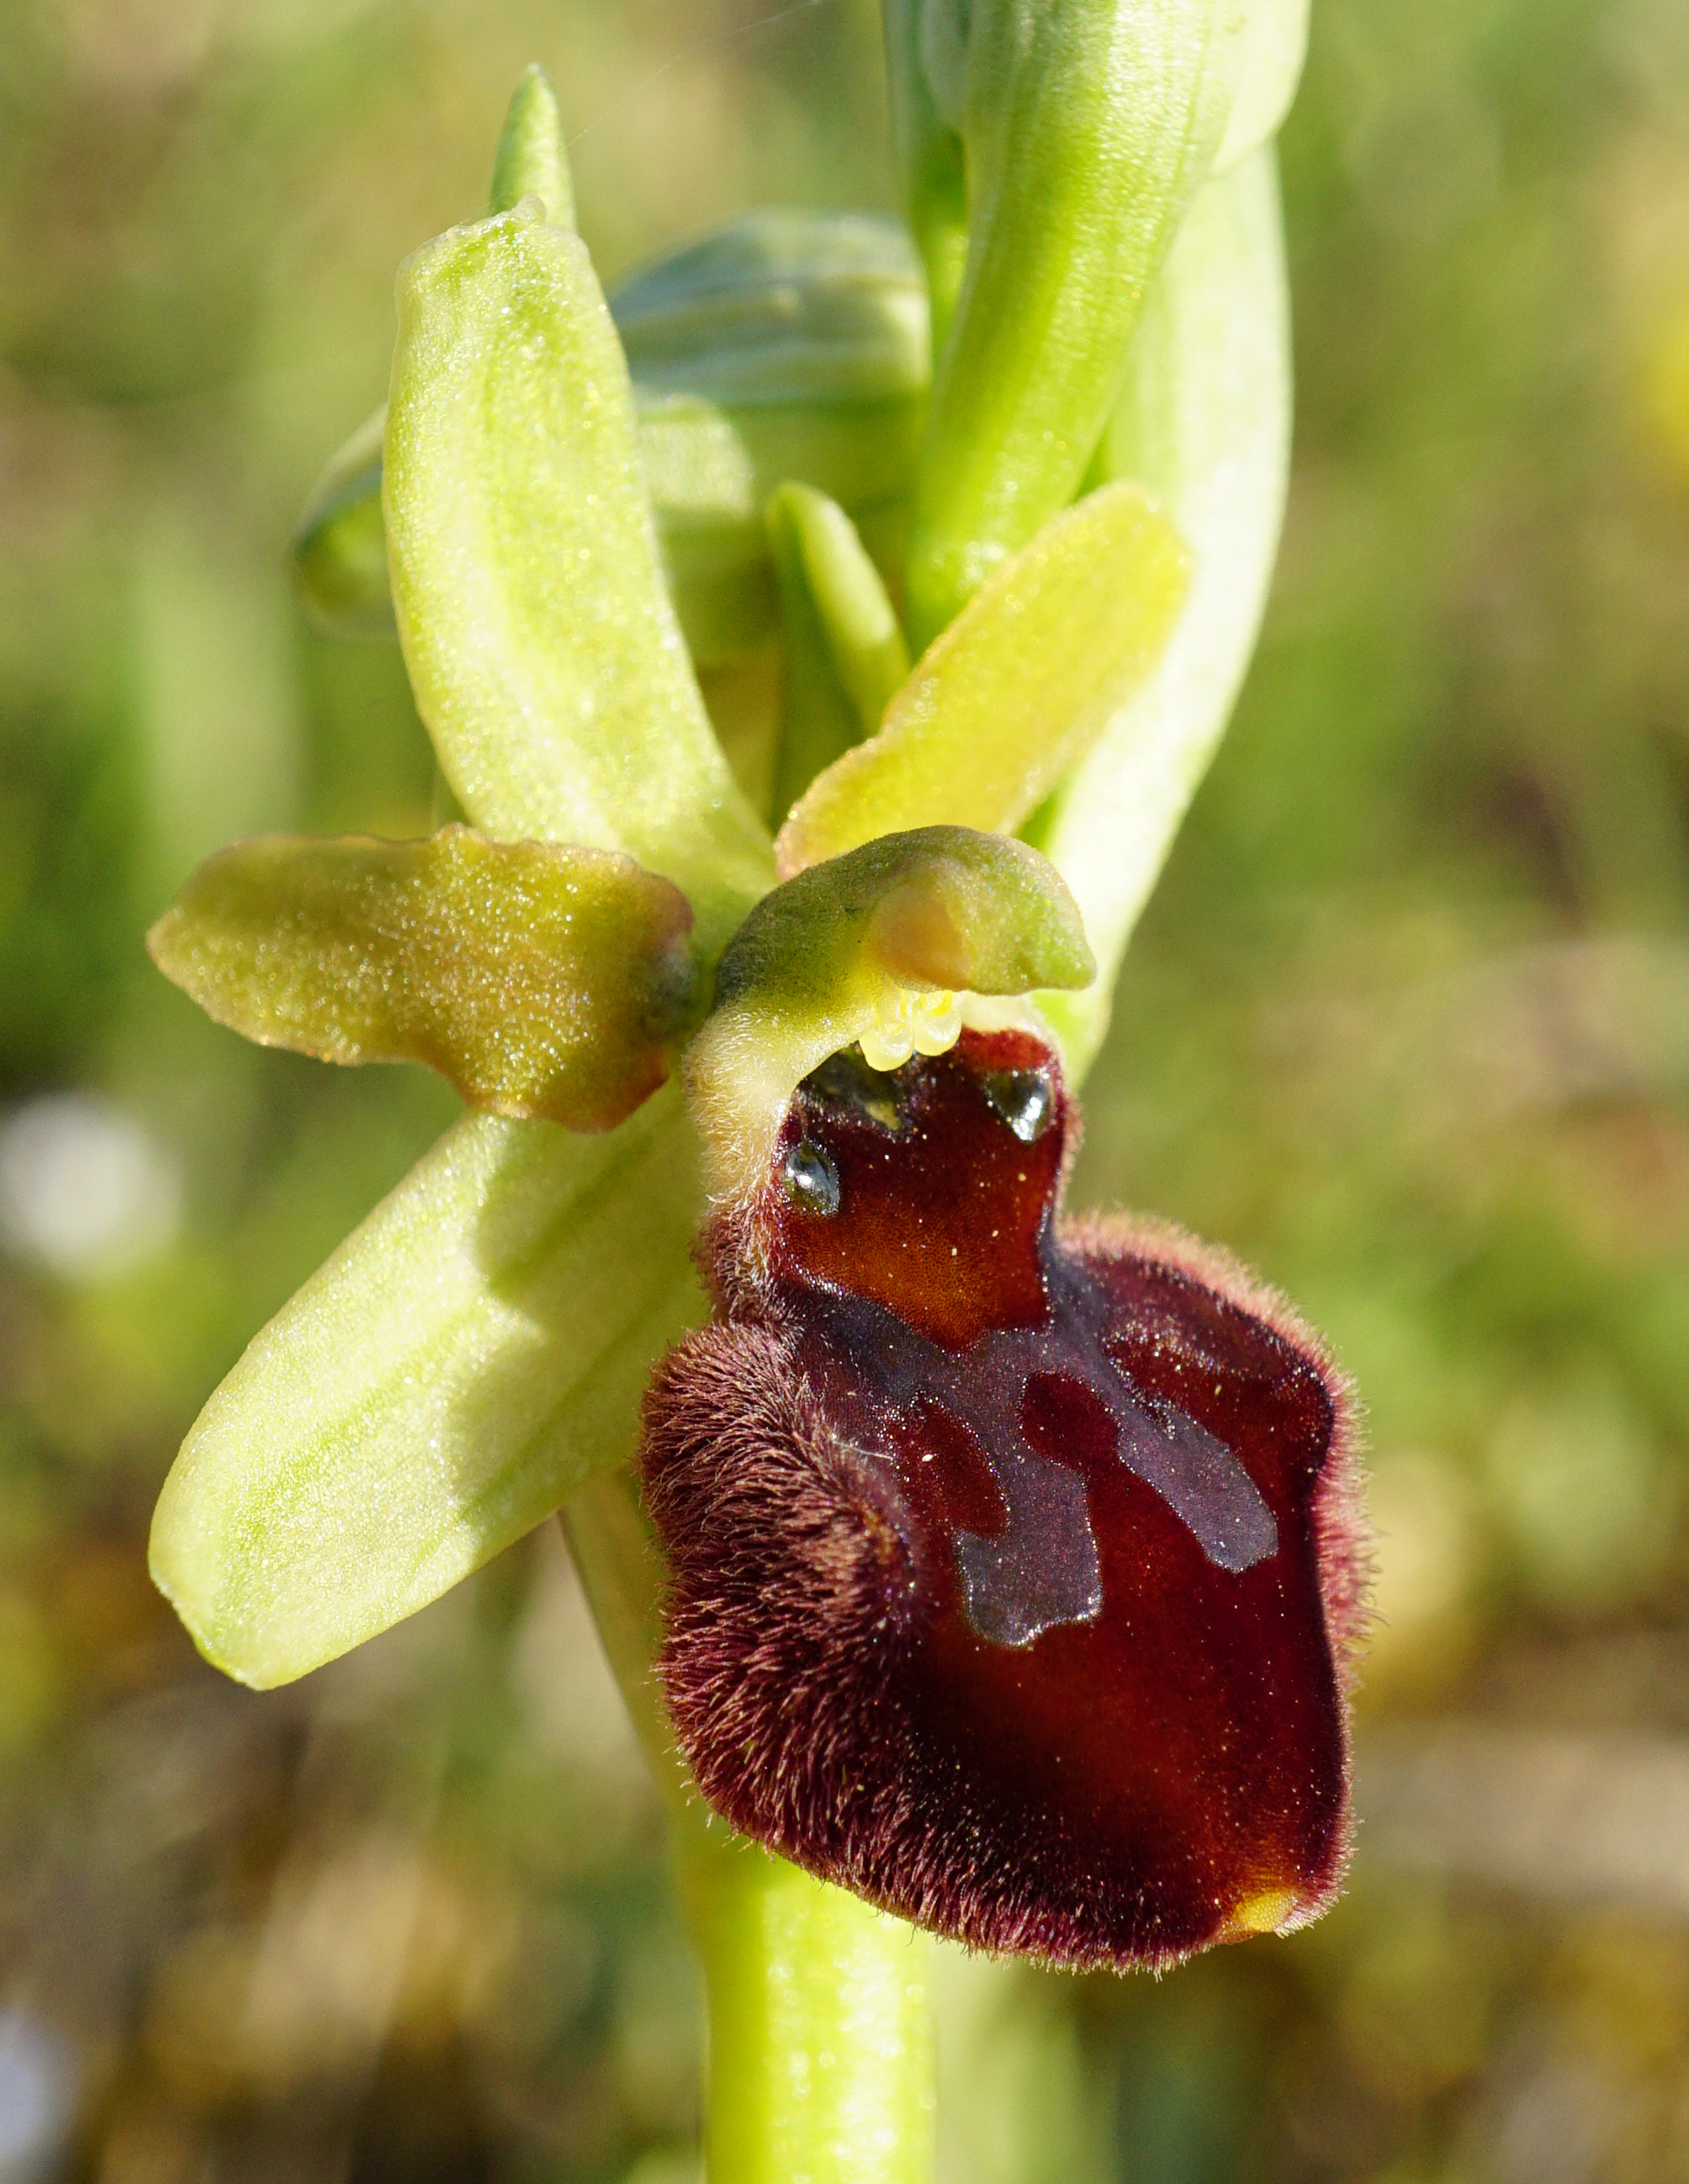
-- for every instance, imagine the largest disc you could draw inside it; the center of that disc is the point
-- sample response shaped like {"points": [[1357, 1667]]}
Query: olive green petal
{"points": [[540, 980], [1016, 691], [944, 910], [469, 1357], [543, 651]]}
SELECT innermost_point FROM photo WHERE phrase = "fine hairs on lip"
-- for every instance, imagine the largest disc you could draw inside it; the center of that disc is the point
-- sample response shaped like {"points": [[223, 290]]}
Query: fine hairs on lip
{"points": [[1161, 1767]]}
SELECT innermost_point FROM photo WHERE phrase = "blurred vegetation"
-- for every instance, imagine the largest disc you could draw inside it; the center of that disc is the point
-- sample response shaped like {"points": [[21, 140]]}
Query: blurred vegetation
{"points": [[1407, 1025]]}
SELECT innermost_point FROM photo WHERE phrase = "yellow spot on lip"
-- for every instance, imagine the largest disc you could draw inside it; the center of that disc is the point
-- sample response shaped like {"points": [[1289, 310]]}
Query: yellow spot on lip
{"points": [[1264, 1912]]}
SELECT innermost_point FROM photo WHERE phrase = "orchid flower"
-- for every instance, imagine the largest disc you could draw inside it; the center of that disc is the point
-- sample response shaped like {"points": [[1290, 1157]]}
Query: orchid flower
{"points": [[985, 1568]]}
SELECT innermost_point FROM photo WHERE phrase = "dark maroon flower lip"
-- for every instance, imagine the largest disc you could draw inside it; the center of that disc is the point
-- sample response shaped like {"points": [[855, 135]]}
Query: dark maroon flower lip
{"points": [[1016, 1563]]}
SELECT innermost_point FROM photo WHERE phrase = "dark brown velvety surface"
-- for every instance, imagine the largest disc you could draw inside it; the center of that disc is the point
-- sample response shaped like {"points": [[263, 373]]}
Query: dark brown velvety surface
{"points": [[1016, 1562]]}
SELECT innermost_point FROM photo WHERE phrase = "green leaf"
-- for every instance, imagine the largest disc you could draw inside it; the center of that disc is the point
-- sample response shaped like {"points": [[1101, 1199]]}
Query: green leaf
{"points": [[1087, 128], [851, 948], [845, 653], [1015, 692], [473, 1353], [532, 159], [542, 980], [1205, 423], [542, 650]]}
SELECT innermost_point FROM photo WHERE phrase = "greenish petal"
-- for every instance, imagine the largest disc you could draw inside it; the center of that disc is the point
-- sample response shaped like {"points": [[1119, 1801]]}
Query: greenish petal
{"points": [[834, 954], [542, 650], [1205, 422], [531, 159], [1088, 127], [472, 1354], [540, 980], [1015, 692], [845, 655]]}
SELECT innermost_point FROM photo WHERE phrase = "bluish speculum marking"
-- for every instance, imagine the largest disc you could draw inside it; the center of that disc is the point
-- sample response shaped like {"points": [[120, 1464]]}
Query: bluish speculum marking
{"points": [[1040, 1568]]}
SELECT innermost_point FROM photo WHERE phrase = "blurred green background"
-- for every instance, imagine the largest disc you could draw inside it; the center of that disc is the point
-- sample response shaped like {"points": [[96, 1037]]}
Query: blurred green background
{"points": [[1407, 1025]]}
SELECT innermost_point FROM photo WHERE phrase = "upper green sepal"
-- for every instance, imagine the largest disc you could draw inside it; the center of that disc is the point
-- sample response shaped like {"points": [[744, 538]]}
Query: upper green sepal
{"points": [[874, 946], [543, 651], [1011, 697], [541, 980], [794, 344]]}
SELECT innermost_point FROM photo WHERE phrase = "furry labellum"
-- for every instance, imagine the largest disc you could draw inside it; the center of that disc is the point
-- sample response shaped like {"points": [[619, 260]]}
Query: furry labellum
{"points": [[1016, 1560]]}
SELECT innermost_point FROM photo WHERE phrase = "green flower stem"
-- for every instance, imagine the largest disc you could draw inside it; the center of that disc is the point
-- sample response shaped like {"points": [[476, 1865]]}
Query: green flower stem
{"points": [[821, 2054], [821, 2067]]}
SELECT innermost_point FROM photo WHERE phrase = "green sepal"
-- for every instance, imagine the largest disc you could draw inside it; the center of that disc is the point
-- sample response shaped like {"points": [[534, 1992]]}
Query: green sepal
{"points": [[543, 653], [471, 1355], [541, 980], [844, 654], [1205, 422], [942, 909], [843, 406], [532, 160], [1017, 690], [1088, 127]]}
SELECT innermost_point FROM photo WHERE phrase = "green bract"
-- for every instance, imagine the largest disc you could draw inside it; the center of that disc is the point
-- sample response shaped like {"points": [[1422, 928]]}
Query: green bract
{"points": [[530, 161], [542, 980], [1205, 421], [1074, 136]]}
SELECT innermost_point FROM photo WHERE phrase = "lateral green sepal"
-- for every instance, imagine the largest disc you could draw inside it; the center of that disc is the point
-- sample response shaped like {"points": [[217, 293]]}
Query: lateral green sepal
{"points": [[541, 980], [471, 1355], [890, 933]]}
